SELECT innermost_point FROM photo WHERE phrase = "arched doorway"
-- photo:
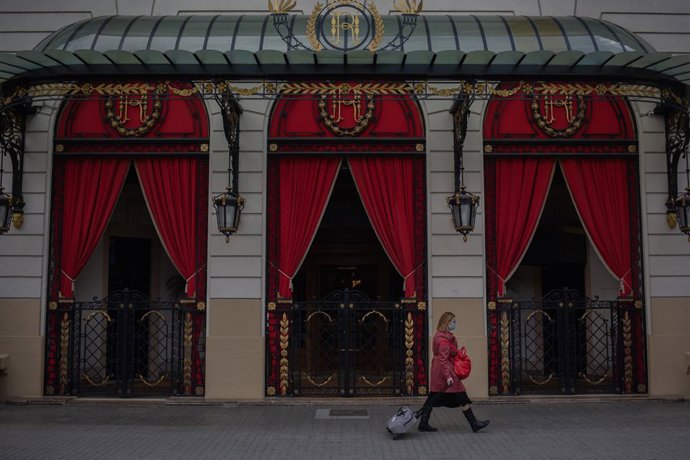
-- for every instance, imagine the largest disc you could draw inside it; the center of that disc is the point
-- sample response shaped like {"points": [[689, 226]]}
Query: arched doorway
{"points": [[346, 236], [564, 272], [129, 226]]}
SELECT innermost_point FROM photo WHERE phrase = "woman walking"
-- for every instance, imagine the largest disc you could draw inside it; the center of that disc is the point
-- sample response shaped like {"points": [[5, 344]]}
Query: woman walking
{"points": [[443, 378]]}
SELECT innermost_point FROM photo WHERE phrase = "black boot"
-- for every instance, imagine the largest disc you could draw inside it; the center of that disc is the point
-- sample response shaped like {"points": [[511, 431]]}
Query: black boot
{"points": [[474, 423], [424, 420]]}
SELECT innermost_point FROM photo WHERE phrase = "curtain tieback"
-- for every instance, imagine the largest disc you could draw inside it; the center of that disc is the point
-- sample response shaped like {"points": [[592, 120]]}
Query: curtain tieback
{"points": [[622, 284], [503, 282], [410, 274], [186, 281], [69, 278], [286, 276]]}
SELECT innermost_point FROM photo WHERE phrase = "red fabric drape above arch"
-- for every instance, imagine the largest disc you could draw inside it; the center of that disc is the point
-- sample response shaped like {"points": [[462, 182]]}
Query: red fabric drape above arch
{"points": [[305, 187], [91, 189], [604, 211], [522, 185]]}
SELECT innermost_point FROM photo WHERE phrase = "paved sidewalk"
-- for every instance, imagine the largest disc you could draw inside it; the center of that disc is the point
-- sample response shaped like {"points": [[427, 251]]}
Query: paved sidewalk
{"points": [[554, 430]]}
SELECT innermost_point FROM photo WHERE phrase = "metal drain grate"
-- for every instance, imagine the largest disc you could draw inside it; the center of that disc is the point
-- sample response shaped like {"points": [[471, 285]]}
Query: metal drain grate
{"points": [[342, 414]]}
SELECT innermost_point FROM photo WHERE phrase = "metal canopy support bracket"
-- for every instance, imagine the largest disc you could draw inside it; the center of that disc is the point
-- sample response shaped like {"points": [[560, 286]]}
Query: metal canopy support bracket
{"points": [[12, 126], [677, 120]]}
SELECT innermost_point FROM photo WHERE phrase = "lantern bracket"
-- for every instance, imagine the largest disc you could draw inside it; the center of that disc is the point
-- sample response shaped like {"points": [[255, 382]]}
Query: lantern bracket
{"points": [[230, 112], [12, 128], [461, 113]]}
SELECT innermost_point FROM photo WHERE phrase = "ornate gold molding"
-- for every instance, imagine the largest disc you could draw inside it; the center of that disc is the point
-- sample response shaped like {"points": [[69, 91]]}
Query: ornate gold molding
{"points": [[409, 354], [64, 352], [627, 353], [187, 355], [505, 352], [284, 343]]}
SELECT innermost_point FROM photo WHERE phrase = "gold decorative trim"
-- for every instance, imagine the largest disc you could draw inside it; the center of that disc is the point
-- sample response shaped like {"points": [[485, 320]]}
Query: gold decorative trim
{"points": [[493, 390], [64, 352], [491, 305], [627, 353], [641, 388], [92, 315], [50, 390], [638, 304], [378, 27], [542, 382], [488, 148], [574, 122], [311, 27], [330, 121], [531, 315], [374, 312], [17, 220], [422, 390], [408, 6], [671, 219], [284, 342], [187, 355], [271, 306], [632, 148], [409, 354], [593, 382], [281, 6], [102, 383], [421, 306], [203, 148], [505, 352], [199, 391], [59, 148], [373, 384], [324, 383], [321, 88], [152, 312], [148, 120], [271, 391], [319, 312], [419, 147], [52, 305], [201, 306], [272, 147], [150, 384]]}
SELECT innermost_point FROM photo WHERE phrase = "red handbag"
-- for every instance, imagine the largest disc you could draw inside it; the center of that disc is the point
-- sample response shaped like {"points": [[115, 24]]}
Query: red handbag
{"points": [[462, 365]]}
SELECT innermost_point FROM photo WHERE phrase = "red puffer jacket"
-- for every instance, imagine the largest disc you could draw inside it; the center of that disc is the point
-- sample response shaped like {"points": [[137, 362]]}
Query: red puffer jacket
{"points": [[445, 347]]}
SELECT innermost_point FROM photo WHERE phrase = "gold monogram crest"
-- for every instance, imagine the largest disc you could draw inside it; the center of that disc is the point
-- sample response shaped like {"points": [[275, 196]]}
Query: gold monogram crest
{"points": [[345, 25], [134, 114], [347, 111], [558, 115]]}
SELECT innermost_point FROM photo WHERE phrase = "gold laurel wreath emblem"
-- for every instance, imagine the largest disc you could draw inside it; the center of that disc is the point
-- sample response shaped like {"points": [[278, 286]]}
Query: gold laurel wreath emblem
{"points": [[378, 28]]}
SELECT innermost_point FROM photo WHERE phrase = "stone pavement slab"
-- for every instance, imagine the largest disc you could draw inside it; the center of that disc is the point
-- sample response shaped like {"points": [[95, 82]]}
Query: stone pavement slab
{"points": [[558, 430]]}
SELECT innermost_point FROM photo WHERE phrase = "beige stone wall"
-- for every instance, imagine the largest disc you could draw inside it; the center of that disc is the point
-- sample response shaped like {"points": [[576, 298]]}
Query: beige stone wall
{"points": [[669, 342], [235, 349], [21, 339]]}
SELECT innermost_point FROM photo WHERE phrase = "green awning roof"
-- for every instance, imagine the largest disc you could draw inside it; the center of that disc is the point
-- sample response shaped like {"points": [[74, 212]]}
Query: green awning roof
{"points": [[256, 33], [249, 47]]}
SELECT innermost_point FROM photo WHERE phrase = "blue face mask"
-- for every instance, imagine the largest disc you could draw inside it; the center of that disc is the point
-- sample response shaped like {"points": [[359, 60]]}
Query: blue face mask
{"points": [[451, 325]]}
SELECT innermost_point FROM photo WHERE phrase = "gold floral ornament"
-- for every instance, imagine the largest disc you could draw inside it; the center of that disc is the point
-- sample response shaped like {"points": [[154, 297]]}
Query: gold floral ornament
{"points": [[408, 6], [281, 6]]}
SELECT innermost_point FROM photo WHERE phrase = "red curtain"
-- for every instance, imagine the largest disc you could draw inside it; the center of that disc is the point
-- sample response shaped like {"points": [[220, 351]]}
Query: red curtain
{"points": [[305, 187], [169, 186], [91, 189], [386, 187], [521, 188], [599, 188]]}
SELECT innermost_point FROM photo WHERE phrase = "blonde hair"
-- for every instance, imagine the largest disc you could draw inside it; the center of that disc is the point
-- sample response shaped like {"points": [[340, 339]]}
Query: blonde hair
{"points": [[444, 320]]}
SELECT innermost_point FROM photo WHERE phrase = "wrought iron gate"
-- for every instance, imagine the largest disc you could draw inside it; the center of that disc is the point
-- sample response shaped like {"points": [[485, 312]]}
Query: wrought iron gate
{"points": [[567, 343], [347, 344], [128, 345]]}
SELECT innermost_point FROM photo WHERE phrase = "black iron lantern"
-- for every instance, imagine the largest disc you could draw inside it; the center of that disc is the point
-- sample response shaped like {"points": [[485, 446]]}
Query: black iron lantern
{"points": [[463, 204], [463, 209], [229, 204], [228, 207]]}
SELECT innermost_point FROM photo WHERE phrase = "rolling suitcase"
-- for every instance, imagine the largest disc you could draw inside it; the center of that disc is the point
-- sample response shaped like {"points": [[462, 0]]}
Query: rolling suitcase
{"points": [[405, 419]]}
